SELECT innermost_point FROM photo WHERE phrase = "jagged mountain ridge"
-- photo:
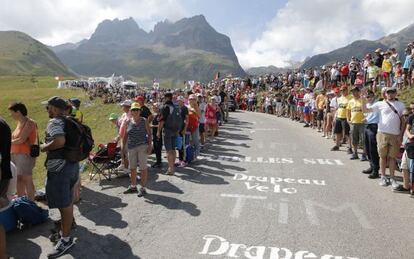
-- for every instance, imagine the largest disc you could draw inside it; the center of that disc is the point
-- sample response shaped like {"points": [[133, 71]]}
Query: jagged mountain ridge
{"points": [[187, 49]]}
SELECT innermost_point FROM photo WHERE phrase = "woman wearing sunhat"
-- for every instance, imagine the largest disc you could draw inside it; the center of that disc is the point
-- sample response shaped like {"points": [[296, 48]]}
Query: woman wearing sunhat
{"points": [[137, 139]]}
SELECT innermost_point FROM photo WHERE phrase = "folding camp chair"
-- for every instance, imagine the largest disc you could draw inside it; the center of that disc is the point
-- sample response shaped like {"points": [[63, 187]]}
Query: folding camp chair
{"points": [[104, 161]]}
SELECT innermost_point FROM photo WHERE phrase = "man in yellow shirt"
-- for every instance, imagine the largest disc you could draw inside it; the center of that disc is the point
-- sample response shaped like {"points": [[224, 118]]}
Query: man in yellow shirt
{"points": [[341, 128], [356, 119]]}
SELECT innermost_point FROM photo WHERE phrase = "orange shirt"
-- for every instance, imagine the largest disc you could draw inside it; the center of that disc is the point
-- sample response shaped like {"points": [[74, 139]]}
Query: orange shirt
{"points": [[320, 101], [23, 148]]}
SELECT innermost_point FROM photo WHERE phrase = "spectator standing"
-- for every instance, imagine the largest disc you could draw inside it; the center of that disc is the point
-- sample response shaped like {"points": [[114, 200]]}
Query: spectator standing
{"points": [[170, 131], [157, 142], [126, 116], [62, 174], [356, 118], [22, 138], [341, 127], [370, 137], [136, 137], [202, 106], [389, 136], [193, 124]]}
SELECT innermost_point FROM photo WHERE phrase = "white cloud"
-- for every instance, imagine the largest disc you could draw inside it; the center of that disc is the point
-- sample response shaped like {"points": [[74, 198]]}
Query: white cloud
{"points": [[303, 28], [59, 21]]}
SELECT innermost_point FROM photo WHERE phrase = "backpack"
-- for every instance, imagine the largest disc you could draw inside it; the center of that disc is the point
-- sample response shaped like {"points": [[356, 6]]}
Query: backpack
{"points": [[28, 213], [174, 121], [79, 141]]}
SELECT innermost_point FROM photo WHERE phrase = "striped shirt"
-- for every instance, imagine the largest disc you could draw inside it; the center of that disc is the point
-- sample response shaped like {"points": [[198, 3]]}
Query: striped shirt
{"points": [[137, 133], [55, 128]]}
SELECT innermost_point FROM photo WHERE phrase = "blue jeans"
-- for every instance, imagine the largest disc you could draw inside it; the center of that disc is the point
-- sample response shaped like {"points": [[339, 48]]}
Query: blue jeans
{"points": [[195, 141]]}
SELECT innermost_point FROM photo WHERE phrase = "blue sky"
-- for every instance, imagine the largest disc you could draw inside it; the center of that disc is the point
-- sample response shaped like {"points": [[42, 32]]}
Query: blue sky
{"points": [[263, 32]]}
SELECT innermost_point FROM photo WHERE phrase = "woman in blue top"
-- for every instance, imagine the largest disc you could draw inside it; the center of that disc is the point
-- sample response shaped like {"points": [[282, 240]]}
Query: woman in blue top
{"points": [[138, 140]]}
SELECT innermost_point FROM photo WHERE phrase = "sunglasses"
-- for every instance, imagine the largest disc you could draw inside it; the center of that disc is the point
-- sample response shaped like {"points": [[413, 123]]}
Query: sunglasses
{"points": [[135, 110]]}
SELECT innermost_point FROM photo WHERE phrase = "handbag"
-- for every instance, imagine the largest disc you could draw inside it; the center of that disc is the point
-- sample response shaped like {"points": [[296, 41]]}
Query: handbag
{"points": [[35, 148]]}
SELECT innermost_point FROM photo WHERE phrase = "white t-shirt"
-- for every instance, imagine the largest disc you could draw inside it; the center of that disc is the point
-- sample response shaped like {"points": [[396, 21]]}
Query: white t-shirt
{"points": [[307, 98], [389, 121]]}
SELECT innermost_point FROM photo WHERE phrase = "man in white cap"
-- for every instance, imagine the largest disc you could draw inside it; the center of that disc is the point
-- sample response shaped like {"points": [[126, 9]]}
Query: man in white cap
{"points": [[390, 134]]}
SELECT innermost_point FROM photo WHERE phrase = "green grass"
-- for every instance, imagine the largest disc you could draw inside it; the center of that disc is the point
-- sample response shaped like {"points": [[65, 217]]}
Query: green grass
{"points": [[22, 88]]}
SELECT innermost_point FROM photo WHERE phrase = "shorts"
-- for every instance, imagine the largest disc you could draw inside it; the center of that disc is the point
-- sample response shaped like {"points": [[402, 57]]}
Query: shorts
{"points": [[300, 108], [24, 164], [292, 107], [388, 145], [320, 115], [341, 125], [169, 142], [306, 109], [385, 74], [138, 155], [59, 186], [201, 128], [357, 133]]}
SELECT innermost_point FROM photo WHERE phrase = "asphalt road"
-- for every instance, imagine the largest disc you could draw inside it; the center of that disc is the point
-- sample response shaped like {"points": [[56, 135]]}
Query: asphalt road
{"points": [[266, 188]]}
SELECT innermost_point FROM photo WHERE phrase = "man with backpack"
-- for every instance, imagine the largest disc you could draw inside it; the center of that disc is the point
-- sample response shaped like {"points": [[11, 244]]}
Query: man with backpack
{"points": [[62, 174], [172, 122]]}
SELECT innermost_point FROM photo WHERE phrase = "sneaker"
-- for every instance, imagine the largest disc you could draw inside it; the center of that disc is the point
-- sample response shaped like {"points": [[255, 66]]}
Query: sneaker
{"points": [[401, 189], [306, 125], [55, 236], [182, 164], [364, 158], [61, 248], [131, 190], [142, 192], [354, 157], [335, 148], [328, 137], [120, 168], [350, 151], [384, 181], [394, 183]]}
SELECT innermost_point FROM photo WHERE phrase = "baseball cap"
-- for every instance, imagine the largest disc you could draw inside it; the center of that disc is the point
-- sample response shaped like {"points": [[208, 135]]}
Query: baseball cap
{"points": [[113, 116], [180, 98], [390, 89], [378, 50], [139, 98], [126, 103], [57, 102], [135, 106], [75, 101]]}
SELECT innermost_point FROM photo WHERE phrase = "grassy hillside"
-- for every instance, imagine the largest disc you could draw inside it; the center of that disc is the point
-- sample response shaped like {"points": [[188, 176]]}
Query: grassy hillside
{"points": [[22, 88], [22, 55]]}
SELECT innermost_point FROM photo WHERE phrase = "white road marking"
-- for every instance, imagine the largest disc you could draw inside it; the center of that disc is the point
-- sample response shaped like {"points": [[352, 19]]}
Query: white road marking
{"points": [[283, 211], [241, 200], [273, 160]]}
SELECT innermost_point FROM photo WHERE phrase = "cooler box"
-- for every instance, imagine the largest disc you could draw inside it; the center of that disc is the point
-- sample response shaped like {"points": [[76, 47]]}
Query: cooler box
{"points": [[8, 218]]}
